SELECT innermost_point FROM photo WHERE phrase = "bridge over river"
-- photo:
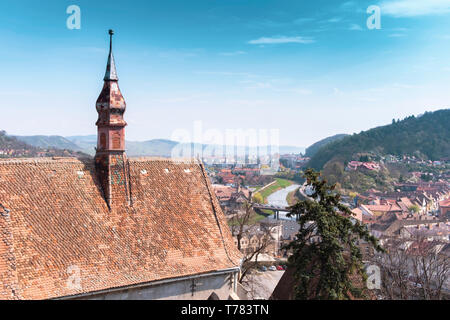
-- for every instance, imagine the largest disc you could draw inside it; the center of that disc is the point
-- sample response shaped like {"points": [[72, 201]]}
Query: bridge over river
{"points": [[277, 203]]}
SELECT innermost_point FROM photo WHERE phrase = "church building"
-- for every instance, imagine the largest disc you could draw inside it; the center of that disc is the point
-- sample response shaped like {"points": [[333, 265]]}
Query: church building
{"points": [[112, 227]]}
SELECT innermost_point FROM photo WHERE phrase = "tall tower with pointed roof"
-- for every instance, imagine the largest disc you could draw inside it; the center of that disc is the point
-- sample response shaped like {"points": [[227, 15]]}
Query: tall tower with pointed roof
{"points": [[110, 158]]}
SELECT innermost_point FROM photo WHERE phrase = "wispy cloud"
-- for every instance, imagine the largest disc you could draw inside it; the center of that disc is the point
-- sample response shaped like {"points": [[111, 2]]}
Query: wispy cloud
{"points": [[267, 23], [355, 27], [180, 53], [338, 92], [250, 102], [353, 7], [95, 50], [198, 98], [396, 35], [281, 40], [234, 53], [348, 4], [444, 37], [406, 86], [227, 73], [334, 20], [300, 21], [412, 8], [300, 91], [275, 85], [258, 85], [400, 29]]}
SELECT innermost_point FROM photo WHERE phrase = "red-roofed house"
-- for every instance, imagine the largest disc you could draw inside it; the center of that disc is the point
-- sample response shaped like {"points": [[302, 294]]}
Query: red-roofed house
{"points": [[444, 208]]}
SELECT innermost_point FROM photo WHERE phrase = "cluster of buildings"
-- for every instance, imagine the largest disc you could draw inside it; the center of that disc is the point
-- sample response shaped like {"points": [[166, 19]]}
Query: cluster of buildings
{"points": [[273, 233], [18, 153], [230, 176], [414, 159], [293, 161], [36, 153], [264, 159], [265, 235], [232, 198], [358, 165], [415, 209]]}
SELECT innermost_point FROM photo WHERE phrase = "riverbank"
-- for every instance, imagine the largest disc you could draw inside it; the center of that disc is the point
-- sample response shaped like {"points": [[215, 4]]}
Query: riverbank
{"points": [[268, 190], [292, 197]]}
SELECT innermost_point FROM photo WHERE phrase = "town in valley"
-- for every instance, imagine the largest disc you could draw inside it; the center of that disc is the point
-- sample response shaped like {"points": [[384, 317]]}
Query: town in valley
{"points": [[238, 151]]}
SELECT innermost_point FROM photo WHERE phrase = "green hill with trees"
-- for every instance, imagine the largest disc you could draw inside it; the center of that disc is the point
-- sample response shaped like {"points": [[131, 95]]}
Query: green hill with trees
{"points": [[11, 147], [8, 142], [426, 136], [312, 150], [49, 142]]}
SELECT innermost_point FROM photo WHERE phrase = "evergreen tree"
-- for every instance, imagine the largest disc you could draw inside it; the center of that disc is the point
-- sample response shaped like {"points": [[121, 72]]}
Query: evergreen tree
{"points": [[326, 256]]}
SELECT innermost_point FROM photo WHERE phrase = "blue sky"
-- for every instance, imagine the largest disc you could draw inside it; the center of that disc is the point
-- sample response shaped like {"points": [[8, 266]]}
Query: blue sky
{"points": [[308, 68]]}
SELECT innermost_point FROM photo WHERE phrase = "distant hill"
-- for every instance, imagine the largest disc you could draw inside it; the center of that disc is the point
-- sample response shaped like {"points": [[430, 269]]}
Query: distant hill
{"points": [[87, 143], [49, 142], [311, 150], [426, 136], [291, 149], [11, 147], [8, 142], [156, 147]]}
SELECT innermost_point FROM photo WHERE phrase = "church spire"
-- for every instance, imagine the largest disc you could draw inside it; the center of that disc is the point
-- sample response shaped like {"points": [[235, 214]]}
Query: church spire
{"points": [[111, 72], [110, 158]]}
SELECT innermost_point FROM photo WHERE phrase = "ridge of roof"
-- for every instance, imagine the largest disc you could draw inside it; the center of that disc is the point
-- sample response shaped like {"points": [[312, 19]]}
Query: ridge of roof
{"points": [[216, 208], [39, 160], [42, 160]]}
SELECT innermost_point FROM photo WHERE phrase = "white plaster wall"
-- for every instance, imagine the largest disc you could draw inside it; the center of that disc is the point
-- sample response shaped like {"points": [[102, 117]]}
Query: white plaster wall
{"points": [[221, 284]]}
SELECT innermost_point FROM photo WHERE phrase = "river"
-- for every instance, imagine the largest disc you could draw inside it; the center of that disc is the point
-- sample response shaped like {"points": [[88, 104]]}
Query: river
{"points": [[278, 199]]}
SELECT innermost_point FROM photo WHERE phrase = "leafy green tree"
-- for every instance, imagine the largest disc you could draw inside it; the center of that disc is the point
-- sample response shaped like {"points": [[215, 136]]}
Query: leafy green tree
{"points": [[257, 197], [364, 158], [326, 257]]}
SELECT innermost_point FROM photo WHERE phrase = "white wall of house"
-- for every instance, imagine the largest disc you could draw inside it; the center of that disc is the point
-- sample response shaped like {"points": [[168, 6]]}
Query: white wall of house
{"points": [[222, 284]]}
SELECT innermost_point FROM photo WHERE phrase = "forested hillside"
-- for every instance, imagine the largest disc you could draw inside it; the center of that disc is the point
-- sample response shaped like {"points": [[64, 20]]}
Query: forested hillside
{"points": [[312, 150], [426, 136], [11, 147]]}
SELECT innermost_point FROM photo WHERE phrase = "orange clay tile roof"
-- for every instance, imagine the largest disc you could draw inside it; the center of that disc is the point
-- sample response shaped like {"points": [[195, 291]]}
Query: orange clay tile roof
{"points": [[383, 207], [54, 224], [445, 203]]}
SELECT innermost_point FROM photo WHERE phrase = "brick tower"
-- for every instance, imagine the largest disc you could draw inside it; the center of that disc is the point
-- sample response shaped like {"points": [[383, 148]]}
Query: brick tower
{"points": [[110, 159]]}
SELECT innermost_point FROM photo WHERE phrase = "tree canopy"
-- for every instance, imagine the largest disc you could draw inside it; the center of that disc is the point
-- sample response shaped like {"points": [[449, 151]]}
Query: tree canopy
{"points": [[427, 135], [326, 256]]}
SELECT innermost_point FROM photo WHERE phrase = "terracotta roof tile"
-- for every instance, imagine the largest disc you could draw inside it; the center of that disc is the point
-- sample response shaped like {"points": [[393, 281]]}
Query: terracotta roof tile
{"points": [[58, 226]]}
